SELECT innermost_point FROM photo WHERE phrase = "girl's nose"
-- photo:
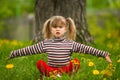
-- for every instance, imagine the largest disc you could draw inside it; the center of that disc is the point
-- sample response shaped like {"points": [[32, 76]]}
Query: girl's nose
{"points": [[57, 28]]}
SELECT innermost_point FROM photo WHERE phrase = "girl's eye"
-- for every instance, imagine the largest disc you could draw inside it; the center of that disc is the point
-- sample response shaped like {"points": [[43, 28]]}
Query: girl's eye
{"points": [[57, 26], [54, 26], [60, 26]]}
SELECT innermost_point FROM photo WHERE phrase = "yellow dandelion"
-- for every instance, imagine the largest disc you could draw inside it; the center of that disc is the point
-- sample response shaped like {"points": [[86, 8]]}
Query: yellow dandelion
{"points": [[53, 74], [55, 71], [103, 71], [14, 42], [90, 64], [75, 62], [9, 66], [118, 60], [106, 73], [95, 72], [104, 79], [6, 41], [110, 67]]}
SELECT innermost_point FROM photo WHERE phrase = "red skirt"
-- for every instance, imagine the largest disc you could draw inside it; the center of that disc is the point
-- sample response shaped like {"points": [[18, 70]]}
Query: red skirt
{"points": [[47, 70]]}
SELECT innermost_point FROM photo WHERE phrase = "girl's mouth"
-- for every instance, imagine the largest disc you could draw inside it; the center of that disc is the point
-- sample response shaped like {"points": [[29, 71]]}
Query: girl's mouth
{"points": [[57, 32]]}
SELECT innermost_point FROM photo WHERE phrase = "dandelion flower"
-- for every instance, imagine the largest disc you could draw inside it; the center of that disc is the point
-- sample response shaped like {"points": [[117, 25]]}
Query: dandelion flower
{"points": [[90, 64], [104, 79], [6, 41], [14, 42], [110, 65], [106, 73], [75, 62], [9, 66], [95, 72], [103, 71], [53, 74], [118, 61]]}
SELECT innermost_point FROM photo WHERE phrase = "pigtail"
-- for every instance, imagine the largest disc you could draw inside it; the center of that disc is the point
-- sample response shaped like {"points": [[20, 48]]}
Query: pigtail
{"points": [[71, 33], [46, 29]]}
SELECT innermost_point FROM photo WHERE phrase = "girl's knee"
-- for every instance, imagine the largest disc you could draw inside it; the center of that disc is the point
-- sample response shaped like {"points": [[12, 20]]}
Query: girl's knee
{"points": [[40, 62]]}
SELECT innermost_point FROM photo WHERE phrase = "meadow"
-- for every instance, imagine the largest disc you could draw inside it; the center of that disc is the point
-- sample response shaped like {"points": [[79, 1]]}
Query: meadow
{"points": [[91, 67]]}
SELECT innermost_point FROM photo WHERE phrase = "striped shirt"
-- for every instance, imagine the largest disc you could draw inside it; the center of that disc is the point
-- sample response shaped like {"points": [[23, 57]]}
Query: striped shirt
{"points": [[58, 51]]}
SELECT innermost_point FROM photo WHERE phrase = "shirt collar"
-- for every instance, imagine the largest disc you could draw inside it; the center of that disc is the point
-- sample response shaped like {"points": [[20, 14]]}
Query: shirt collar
{"points": [[59, 39]]}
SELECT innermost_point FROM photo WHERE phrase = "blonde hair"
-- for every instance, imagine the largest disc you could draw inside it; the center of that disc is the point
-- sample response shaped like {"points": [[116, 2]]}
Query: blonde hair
{"points": [[53, 21]]}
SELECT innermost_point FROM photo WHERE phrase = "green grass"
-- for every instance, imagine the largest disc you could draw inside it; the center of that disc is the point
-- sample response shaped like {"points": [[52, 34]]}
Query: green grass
{"points": [[25, 67], [107, 37]]}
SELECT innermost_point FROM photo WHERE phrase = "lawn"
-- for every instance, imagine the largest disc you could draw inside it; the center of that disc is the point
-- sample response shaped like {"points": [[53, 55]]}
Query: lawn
{"points": [[24, 68], [91, 67]]}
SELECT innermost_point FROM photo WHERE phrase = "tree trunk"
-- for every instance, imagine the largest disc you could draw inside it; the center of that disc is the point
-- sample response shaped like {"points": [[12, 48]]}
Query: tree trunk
{"points": [[76, 9]]}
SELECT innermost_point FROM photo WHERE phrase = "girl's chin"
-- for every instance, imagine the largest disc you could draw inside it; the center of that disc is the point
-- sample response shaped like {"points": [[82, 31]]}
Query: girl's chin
{"points": [[58, 36]]}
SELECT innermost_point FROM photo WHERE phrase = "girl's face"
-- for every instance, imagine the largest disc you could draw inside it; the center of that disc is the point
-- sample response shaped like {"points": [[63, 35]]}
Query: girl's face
{"points": [[58, 30]]}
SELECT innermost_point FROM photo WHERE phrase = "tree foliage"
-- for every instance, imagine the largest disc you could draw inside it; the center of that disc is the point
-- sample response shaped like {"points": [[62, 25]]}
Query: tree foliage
{"points": [[103, 4], [11, 8]]}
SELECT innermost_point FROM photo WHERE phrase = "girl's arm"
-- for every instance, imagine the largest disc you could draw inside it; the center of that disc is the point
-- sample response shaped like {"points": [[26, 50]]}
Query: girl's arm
{"points": [[81, 48], [30, 50]]}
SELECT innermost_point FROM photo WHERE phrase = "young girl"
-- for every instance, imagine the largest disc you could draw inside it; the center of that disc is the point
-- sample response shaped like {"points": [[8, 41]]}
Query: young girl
{"points": [[59, 33]]}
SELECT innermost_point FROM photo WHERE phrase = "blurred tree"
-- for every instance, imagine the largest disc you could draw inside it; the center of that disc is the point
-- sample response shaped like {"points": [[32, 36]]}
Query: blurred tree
{"points": [[10, 9], [76, 9]]}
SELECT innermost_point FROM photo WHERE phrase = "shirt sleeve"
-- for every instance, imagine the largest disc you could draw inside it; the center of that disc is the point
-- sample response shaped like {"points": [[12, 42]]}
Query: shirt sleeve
{"points": [[81, 48], [30, 50]]}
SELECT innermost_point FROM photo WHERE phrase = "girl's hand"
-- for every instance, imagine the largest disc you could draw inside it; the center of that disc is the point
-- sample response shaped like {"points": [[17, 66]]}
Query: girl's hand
{"points": [[108, 59]]}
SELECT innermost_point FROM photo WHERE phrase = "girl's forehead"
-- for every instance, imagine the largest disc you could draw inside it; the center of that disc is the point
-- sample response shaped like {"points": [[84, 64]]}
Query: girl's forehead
{"points": [[58, 23]]}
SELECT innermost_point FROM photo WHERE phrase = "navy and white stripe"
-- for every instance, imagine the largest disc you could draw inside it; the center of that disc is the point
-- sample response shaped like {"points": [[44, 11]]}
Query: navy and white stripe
{"points": [[58, 51]]}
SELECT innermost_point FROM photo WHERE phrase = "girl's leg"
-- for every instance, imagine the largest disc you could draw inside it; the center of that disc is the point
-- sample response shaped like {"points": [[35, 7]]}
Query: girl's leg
{"points": [[67, 69], [43, 67], [47, 70]]}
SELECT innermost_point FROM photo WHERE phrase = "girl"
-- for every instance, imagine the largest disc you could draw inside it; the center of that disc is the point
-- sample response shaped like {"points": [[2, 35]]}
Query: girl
{"points": [[59, 34]]}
